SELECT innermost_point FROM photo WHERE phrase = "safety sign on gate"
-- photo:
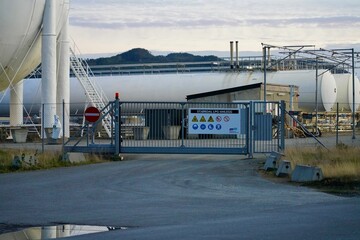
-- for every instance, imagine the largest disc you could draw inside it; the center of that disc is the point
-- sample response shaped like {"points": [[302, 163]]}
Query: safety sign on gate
{"points": [[214, 121]]}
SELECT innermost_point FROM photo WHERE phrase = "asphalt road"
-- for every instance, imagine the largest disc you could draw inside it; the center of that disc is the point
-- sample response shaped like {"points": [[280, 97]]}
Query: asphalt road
{"points": [[177, 197]]}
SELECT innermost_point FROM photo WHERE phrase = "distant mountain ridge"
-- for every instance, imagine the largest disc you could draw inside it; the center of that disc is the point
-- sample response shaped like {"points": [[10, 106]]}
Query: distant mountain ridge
{"points": [[140, 55]]}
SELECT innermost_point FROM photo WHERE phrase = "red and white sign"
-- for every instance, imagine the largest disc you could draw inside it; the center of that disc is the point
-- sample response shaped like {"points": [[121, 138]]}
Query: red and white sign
{"points": [[92, 114]]}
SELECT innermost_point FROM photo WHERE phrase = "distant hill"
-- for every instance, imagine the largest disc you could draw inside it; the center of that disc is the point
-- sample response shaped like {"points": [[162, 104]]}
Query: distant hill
{"points": [[140, 55]]}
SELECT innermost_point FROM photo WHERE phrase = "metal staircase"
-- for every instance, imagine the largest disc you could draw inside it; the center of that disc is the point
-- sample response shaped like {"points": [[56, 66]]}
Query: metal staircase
{"points": [[94, 93]]}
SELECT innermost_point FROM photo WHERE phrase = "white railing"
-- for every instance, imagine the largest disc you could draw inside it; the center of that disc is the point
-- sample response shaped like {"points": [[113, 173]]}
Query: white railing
{"points": [[94, 93]]}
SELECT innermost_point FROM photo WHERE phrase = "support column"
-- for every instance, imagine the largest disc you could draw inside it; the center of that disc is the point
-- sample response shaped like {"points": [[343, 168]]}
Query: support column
{"points": [[231, 55], [63, 81], [48, 59], [16, 104], [237, 54]]}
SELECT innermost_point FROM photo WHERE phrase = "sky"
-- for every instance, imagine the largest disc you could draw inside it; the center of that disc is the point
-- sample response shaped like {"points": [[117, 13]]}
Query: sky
{"points": [[114, 26]]}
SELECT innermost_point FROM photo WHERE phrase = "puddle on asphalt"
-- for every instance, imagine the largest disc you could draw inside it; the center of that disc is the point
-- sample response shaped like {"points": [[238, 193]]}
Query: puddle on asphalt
{"points": [[56, 231]]}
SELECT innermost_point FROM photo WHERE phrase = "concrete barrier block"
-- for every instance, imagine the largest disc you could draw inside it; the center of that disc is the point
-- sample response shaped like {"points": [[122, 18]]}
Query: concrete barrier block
{"points": [[75, 157], [16, 162], [24, 160], [31, 160], [304, 173], [272, 161], [284, 168]]}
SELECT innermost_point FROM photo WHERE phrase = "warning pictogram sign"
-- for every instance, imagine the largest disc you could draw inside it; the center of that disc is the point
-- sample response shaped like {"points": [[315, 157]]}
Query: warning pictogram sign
{"points": [[226, 118], [214, 121], [194, 119]]}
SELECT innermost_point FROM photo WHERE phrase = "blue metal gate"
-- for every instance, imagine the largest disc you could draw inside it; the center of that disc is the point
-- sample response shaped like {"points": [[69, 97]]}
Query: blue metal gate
{"points": [[189, 127], [167, 128], [267, 127]]}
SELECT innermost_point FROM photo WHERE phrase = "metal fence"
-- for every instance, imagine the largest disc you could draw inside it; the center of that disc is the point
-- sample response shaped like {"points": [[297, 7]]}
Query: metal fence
{"points": [[267, 127], [188, 127], [169, 127], [172, 128]]}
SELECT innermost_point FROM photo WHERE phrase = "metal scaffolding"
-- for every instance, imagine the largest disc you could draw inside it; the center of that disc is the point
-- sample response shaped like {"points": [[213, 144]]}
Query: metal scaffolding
{"points": [[330, 60]]}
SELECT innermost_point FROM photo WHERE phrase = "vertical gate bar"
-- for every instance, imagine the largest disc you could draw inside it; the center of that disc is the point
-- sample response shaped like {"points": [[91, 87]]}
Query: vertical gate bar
{"points": [[158, 131], [279, 126], [135, 110], [64, 129], [117, 126], [42, 129], [130, 120], [258, 128], [247, 127], [182, 124], [251, 131], [87, 134], [266, 144], [283, 125], [161, 135], [257, 144], [138, 109], [112, 124], [142, 107], [173, 121], [337, 123], [263, 143]]}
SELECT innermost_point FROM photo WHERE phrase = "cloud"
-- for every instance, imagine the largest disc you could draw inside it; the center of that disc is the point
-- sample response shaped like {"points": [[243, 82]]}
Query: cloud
{"points": [[325, 22], [338, 21], [111, 14], [210, 24]]}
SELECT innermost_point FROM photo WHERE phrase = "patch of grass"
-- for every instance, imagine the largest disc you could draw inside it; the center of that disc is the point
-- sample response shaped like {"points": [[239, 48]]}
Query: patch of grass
{"points": [[46, 160], [337, 187], [341, 162]]}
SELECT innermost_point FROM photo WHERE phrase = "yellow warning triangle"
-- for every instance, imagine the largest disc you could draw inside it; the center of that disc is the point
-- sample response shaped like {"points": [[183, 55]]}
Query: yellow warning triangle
{"points": [[210, 119], [195, 119], [202, 119]]}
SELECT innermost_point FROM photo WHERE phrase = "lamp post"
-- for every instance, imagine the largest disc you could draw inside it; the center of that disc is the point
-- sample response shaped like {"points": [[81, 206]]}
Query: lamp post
{"points": [[316, 94], [265, 66]]}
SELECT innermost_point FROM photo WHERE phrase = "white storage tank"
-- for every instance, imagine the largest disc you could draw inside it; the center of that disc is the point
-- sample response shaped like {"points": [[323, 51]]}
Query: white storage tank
{"points": [[306, 81], [345, 92], [357, 93], [175, 87], [20, 38]]}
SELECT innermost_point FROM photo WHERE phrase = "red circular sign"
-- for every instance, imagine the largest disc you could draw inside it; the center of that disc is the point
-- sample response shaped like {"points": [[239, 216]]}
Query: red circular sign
{"points": [[92, 114]]}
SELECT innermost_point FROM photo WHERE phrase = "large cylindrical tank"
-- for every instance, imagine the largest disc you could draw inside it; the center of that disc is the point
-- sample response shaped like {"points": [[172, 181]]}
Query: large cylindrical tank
{"points": [[20, 38], [175, 87], [344, 84], [306, 81]]}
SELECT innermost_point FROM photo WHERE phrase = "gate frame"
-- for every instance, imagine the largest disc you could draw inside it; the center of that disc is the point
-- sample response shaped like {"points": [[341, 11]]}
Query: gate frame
{"points": [[115, 146]]}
